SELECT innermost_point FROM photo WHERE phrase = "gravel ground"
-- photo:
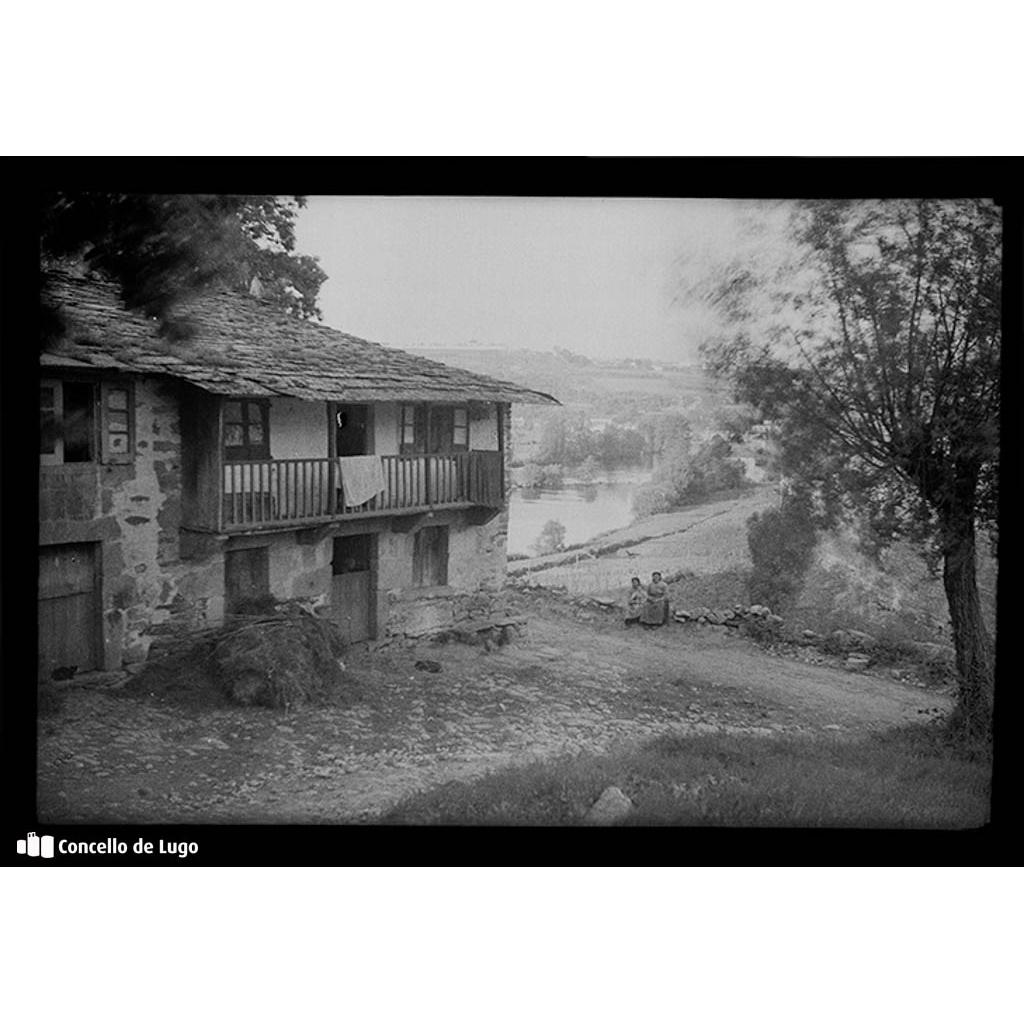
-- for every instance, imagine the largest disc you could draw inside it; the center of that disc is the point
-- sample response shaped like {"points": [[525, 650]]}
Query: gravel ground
{"points": [[109, 755]]}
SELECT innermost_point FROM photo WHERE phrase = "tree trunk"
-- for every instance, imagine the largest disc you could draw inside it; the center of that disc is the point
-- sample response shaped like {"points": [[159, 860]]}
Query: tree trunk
{"points": [[975, 660]]}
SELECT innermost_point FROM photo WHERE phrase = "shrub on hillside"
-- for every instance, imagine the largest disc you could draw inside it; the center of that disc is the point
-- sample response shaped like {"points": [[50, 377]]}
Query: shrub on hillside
{"points": [[685, 478], [550, 539], [651, 499], [781, 543]]}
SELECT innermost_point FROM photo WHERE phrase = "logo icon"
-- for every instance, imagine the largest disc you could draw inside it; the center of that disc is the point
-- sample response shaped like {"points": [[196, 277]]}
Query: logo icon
{"points": [[36, 846]]}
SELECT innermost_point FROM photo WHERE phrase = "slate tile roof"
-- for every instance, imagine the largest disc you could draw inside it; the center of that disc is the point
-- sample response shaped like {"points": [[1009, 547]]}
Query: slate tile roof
{"points": [[245, 346]]}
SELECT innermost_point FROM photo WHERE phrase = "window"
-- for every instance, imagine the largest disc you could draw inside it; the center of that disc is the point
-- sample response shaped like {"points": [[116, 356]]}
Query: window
{"points": [[351, 554], [434, 429], [430, 557], [414, 429], [68, 422], [460, 428], [246, 429]]}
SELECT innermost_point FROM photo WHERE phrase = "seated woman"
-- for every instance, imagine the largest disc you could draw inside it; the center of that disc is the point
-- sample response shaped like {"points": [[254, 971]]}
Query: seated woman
{"points": [[635, 602], [655, 609]]}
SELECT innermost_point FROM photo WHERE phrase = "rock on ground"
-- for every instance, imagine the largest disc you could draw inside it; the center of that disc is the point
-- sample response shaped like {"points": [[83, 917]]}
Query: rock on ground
{"points": [[611, 806]]}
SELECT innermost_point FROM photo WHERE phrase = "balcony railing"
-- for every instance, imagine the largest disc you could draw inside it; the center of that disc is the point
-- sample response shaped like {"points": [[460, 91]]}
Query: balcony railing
{"points": [[286, 491]]}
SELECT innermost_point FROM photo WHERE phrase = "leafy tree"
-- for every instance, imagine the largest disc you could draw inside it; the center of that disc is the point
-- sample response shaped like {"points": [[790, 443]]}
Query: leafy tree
{"points": [[735, 420], [877, 347], [588, 469], [162, 248], [550, 539], [532, 476], [619, 445], [668, 435]]}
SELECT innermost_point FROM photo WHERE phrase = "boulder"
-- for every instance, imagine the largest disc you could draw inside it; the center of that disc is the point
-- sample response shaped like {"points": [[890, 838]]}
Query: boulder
{"points": [[852, 640], [856, 662], [611, 806], [759, 610]]}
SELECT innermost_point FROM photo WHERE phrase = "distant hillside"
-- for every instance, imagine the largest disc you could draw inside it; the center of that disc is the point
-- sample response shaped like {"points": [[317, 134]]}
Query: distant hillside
{"points": [[577, 380]]}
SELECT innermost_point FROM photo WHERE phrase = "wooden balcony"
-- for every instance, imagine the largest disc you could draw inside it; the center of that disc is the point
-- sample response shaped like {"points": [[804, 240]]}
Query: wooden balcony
{"points": [[280, 493]]}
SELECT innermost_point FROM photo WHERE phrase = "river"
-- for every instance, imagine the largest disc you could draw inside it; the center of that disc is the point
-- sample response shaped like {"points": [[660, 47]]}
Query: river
{"points": [[585, 510]]}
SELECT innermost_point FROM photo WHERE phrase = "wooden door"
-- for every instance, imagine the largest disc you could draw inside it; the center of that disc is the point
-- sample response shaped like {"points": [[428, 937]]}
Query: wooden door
{"points": [[69, 608], [352, 586], [246, 580]]}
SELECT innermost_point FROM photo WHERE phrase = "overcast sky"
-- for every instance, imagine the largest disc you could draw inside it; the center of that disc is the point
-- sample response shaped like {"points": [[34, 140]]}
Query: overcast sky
{"points": [[594, 275]]}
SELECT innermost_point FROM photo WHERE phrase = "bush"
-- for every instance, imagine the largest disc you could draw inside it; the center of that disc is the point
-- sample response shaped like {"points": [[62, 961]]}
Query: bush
{"points": [[651, 499], [685, 479], [550, 539], [781, 543]]}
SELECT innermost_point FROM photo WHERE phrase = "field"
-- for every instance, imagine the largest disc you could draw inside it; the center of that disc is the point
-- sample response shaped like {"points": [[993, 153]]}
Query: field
{"points": [[708, 541]]}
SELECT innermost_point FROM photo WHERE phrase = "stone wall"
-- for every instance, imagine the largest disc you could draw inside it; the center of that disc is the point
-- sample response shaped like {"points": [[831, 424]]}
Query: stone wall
{"points": [[133, 512], [158, 581]]}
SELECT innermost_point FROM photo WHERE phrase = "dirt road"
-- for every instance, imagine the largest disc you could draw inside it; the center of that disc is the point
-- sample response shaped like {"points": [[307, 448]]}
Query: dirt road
{"points": [[565, 686]]}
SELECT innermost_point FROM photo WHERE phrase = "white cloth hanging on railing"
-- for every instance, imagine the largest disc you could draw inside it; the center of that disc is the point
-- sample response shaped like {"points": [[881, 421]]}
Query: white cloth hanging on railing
{"points": [[362, 478]]}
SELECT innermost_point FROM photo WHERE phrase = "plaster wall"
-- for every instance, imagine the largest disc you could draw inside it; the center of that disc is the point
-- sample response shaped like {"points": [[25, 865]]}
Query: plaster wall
{"points": [[483, 431], [386, 426]]}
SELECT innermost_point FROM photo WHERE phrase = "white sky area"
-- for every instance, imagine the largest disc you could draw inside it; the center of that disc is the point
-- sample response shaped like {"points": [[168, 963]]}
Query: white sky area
{"points": [[597, 276]]}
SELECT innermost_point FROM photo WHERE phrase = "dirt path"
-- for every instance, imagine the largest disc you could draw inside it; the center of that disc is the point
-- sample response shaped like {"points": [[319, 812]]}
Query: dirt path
{"points": [[566, 686]]}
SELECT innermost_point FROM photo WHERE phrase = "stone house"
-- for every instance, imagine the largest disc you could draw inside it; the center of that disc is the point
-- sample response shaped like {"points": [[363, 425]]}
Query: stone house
{"points": [[266, 458]]}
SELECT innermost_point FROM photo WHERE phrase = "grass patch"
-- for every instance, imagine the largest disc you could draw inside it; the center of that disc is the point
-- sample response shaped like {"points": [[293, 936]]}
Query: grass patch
{"points": [[907, 778], [713, 590]]}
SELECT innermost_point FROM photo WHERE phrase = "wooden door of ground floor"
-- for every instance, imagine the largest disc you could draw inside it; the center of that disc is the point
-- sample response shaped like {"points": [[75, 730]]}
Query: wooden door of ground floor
{"points": [[69, 609], [353, 586]]}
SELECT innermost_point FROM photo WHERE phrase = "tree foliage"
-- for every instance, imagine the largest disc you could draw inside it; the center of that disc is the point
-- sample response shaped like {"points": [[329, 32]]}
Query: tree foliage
{"points": [[550, 539], [686, 478], [567, 439], [160, 249], [781, 542], [877, 346]]}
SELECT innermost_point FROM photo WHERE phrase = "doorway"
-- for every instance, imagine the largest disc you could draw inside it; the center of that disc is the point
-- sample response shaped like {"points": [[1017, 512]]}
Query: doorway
{"points": [[246, 580], [351, 430], [69, 608], [353, 591]]}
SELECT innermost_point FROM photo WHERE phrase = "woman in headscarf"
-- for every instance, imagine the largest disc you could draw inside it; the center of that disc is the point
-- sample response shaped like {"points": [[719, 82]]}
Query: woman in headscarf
{"points": [[655, 610], [636, 601]]}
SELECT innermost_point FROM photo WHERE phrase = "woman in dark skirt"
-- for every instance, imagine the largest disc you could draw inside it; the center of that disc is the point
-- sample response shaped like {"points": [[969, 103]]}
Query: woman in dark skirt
{"points": [[636, 601], [655, 609]]}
